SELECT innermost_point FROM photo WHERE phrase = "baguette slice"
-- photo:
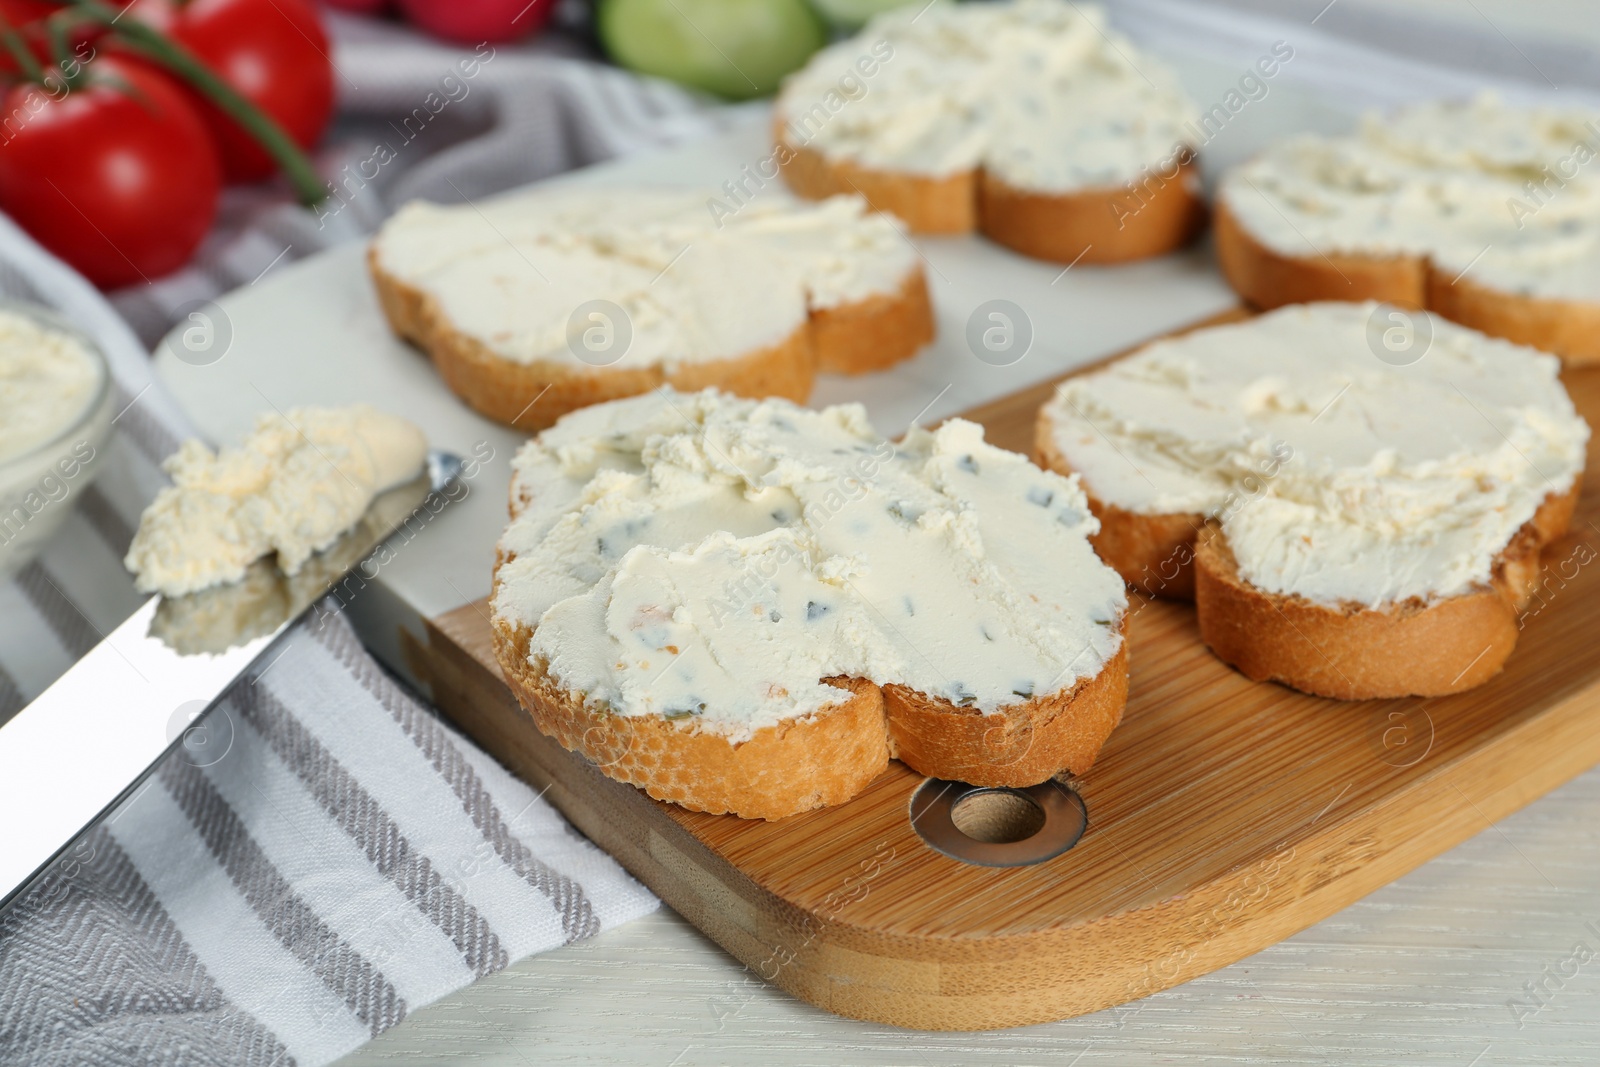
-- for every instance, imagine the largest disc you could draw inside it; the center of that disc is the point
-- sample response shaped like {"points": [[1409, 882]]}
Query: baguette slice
{"points": [[795, 766], [872, 334], [1349, 652], [1020, 745], [869, 333], [947, 205], [531, 396], [1270, 279], [1156, 554], [1109, 225], [713, 762]]}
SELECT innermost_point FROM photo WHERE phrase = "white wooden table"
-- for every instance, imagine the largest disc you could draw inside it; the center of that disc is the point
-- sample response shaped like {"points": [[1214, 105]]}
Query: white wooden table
{"points": [[1427, 970]]}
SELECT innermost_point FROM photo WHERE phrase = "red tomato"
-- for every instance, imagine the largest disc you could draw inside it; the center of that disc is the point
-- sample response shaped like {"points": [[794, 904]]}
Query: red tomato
{"points": [[117, 176], [475, 21], [275, 53], [358, 7]]}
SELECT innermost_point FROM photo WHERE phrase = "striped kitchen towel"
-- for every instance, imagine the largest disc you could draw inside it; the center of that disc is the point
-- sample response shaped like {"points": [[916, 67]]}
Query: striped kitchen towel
{"points": [[330, 858]]}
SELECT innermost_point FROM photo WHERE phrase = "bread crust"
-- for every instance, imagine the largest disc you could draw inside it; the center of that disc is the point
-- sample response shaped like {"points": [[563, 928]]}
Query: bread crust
{"points": [[1109, 225], [1055, 227], [853, 338], [532, 396], [1417, 648], [1350, 653], [1268, 279], [828, 757], [1153, 553], [782, 770], [876, 333], [946, 205], [1019, 745], [1569, 328]]}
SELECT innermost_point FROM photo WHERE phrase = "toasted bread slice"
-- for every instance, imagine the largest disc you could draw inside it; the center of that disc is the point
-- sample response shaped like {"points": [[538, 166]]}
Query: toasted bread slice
{"points": [[1155, 554], [1354, 653], [1109, 225], [531, 396], [1019, 745], [947, 205], [872, 334], [881, 321], [709, 762], [1270, 279], [795, 766], [1351, 652]]}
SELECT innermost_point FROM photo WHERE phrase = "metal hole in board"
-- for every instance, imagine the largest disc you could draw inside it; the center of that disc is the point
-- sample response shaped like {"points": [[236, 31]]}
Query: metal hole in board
{"points": [[993, 827]]}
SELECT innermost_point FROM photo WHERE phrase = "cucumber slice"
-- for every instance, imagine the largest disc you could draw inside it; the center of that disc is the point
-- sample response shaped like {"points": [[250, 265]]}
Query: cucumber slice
{"points": [[734, 48]]}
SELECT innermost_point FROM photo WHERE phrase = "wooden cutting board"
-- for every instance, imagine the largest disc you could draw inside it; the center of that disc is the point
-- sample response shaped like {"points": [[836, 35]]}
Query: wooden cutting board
{"points": [[1223, 815]]}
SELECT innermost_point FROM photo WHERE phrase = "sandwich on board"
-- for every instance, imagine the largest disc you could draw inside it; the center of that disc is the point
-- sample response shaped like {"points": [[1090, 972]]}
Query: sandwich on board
{"points": [[1346, 524]]}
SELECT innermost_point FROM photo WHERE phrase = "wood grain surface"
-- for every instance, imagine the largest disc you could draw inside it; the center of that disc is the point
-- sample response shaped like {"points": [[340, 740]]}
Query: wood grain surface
{"points": [[1224, 816]]}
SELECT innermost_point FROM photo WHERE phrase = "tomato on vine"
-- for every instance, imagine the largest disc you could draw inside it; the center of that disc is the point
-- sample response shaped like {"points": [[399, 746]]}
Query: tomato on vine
{"points": [[112, 170], [275, 54]]}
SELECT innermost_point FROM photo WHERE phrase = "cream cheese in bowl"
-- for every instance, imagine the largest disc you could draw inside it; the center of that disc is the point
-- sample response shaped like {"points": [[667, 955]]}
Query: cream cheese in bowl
{"points": [[55, 417]]}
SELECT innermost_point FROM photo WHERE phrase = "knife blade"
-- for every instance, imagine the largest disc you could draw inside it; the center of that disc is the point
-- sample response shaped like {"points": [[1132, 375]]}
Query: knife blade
{"points": [[90, 739]]}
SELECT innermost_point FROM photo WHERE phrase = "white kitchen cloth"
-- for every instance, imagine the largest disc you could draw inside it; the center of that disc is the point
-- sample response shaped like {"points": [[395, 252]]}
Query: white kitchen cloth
{"points": [[336, 858]]}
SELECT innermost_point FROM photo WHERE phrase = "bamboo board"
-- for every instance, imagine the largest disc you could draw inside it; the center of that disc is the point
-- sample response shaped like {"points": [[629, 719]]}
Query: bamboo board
{"points": [[1223, 815]]}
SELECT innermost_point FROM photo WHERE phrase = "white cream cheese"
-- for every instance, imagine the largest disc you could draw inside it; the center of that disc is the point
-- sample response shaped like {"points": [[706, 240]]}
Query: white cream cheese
{"points": [[697, 284], [707, 556], [1508, 196], [297, 483], [48, 379], [1335, 475], [1037, 92], [55, 416]]}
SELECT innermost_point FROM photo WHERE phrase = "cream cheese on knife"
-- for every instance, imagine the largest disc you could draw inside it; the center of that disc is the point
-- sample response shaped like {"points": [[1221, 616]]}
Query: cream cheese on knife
{"points": [[298, 482]]}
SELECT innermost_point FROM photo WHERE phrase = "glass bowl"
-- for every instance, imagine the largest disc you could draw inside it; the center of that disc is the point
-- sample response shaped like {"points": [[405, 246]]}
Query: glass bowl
{"points": [[40, 487]]}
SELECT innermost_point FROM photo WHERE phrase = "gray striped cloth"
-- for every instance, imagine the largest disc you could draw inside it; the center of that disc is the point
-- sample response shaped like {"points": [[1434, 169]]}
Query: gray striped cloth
{"points": [[342, 856]]}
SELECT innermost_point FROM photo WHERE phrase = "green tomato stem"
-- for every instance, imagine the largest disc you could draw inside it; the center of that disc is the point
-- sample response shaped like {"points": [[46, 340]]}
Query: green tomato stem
{"points": [[303, 178], [20, 52]]}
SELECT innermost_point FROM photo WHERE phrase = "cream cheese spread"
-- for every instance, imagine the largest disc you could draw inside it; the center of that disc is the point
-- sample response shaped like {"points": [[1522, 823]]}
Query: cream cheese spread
{"points": [[48, 379], [1335, 475], [696, 284], [1507, 196], [699, 555], [1037, 92], [298, 482]]}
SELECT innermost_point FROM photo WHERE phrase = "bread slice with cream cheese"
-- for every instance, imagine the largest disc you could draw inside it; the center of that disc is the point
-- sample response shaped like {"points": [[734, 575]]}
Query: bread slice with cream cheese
{"points": [[1485, 213], [1345, 525], [535, 304], [750, 607], [1025, 120]]}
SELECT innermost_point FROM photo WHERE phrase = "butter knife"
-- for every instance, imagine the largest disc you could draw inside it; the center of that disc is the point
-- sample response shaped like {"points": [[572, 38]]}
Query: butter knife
{"points": [[90, 740]]}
